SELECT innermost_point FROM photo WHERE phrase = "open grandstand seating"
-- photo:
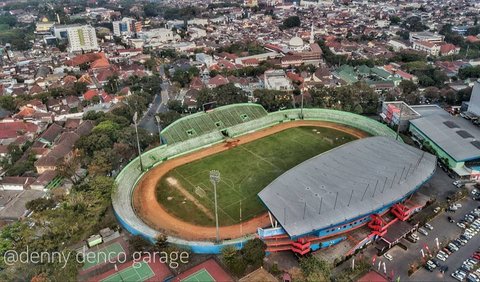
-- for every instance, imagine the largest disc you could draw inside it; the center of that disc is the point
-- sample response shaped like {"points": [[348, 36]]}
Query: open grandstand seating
{"points": [[213, 121]]}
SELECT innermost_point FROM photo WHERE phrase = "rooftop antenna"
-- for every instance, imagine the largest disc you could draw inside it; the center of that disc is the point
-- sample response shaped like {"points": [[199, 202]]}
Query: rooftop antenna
{"points": [[364, 192], [384, 184], [408, 171], [401, 175], [374, 190], [320, 208], [351, 195], [393, 180], [304, 210], [336, 198]]}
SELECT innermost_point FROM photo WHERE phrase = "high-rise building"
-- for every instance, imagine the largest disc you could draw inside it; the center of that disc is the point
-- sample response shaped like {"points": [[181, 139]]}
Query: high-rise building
{"points": [[126, 26], [80, 37]]}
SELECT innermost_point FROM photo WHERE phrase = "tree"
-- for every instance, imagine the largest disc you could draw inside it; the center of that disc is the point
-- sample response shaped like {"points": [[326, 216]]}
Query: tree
{"points": [[407, 86], [414, 23], [161, 242], [8, 103], [111, 87], [166, 118], [175, 105], [395, 20], [292, 21], [40, 204], [314, 269], [138, 244], [254, 252], [273, 100], [432, 93]]}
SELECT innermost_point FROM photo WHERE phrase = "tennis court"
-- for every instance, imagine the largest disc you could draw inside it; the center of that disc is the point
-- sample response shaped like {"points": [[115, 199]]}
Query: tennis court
{"points": [[141, 272], [200, 276], [103, 255]]}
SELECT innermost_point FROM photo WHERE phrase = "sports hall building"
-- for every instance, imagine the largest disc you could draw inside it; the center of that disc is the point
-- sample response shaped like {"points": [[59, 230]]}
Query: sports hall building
{"points": [[366, 184]]}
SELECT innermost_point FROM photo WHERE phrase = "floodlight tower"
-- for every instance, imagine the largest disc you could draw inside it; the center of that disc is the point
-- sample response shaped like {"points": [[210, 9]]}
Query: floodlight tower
{"points": [[215, 179], [157, 118]]}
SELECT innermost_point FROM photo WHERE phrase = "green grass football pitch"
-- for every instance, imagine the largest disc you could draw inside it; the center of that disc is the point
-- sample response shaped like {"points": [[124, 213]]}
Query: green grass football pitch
{"points": [[139, 273], [200, 276], [103, 255], [245, 171]]}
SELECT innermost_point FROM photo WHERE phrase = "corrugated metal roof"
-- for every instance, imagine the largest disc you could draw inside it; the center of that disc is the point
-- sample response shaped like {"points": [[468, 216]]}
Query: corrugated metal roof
{"points": [[344, 183]]}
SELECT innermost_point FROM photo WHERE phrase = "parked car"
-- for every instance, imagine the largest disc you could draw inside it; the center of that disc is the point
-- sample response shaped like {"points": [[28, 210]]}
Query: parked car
{"points": [[388, 256], [461, 225], [428, 226], [422, 231], [458, 276], [441, 257], [437, 209]]}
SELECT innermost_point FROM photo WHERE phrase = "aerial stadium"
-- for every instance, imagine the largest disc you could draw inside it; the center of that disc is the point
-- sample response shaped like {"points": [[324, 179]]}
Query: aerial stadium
{"points": [[300, 179]]}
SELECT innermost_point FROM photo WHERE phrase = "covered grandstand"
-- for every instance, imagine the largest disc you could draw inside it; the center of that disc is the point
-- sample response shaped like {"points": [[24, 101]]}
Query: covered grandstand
{"points": [[332, 191], [205, 129]]}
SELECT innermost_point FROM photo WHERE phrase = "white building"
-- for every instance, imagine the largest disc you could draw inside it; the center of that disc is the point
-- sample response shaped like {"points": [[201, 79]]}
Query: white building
{"points": [[426, 36], [277, 80], [431, 48], [80, 37], [158, 36], [126, 26]]}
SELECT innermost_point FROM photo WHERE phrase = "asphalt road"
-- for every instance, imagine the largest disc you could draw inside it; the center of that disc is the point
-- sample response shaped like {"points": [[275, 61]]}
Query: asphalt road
{"points": [[158, 105]]}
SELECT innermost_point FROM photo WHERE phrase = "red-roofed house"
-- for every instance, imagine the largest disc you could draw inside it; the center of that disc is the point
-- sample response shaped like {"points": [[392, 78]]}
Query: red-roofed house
{"points": [[88, 96], [449, 49], [9, 131], [217, 81]]}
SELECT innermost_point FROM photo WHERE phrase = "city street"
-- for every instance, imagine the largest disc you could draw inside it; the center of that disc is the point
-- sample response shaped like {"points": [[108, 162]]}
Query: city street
{"points": [[159, 104]]}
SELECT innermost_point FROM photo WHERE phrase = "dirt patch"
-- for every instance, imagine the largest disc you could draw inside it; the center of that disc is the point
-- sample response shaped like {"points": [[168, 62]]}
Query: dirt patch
{"points": [[174, 183], [148, 208]]}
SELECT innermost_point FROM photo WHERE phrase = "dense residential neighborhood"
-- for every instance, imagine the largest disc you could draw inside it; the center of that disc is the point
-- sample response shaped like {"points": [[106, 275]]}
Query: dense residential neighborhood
{"points": [[100, 99]]}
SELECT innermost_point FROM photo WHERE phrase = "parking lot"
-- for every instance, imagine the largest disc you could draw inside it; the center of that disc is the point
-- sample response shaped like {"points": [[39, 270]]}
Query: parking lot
{"points": [[444, 231]]}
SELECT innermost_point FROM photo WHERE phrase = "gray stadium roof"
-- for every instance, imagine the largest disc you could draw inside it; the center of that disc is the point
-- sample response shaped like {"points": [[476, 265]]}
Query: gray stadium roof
{"points": [[455, 135], [366, 174]]}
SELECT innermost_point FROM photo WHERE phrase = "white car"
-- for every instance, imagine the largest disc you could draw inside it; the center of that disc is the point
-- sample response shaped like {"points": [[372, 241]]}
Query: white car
{"points": [[458, 205], [415, 236], [457, 276], [422, 231], [473, 277], [458, 183], [461, 225], [453, 247], [437, 209], [443, 253], [388, 256], [441, 257], [428, 226]]}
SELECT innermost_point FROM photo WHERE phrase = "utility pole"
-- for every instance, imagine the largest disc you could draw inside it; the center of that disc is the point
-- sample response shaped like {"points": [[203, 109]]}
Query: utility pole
{"points": [[215, 179], [135, 118], [157, 118]]}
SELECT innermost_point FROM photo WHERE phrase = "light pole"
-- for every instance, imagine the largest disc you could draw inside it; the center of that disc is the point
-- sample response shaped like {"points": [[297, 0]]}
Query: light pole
{"points": [[215, 178], [135, 117], [158, 127]]}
